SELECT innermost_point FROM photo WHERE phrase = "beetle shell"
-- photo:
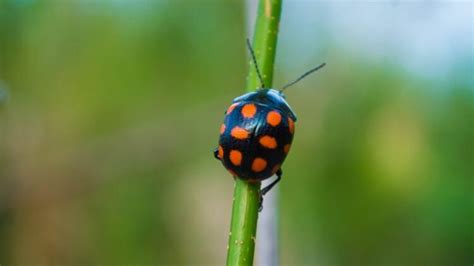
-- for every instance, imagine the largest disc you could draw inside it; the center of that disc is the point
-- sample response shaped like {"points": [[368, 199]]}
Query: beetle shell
{"points": [[256, 135]]}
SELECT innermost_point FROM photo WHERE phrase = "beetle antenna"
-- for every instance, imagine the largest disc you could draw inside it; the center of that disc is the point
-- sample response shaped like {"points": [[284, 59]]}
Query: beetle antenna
{"points": [[302, 76], [255, 63]]}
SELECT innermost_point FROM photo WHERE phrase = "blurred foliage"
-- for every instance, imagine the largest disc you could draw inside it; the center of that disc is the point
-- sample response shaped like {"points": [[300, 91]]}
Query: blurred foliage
{"points": [[109, 113]]}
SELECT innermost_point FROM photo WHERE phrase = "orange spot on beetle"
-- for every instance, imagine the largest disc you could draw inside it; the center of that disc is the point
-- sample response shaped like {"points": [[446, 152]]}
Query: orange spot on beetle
{"points": [[232, 172], [222, 128], [287, 148], [268, 142], [239, 133], [249, 110], [235, 157], [259, 165], [220, 152], [273, 118], [275, 169], [291, 125], [229, 110]]}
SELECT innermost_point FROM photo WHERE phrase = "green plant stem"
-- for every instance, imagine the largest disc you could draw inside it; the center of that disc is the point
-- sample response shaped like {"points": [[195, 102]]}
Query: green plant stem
{"points": [[264, 42], [241, 244]]}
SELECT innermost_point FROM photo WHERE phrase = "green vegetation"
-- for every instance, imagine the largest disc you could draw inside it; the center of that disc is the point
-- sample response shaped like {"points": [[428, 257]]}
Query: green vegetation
{"points": [[113, 111]]}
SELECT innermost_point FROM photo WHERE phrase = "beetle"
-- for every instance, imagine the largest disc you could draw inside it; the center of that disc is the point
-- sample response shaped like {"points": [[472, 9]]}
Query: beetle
{"points": [[257, 132]]}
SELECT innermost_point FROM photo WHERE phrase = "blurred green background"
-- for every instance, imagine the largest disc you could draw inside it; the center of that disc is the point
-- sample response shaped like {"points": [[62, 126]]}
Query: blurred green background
{"points": [[109, 112]]}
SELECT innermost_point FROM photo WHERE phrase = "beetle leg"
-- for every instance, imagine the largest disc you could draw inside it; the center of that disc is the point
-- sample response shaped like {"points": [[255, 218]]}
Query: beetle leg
{"points": [[216, 154], [260, 203], [265, 190]]}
